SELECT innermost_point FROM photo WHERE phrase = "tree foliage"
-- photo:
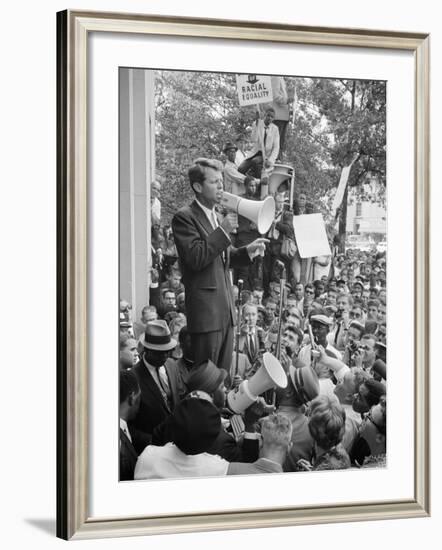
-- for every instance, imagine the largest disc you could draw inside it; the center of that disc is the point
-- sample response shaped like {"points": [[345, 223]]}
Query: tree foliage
{"points": [[335, 121]]}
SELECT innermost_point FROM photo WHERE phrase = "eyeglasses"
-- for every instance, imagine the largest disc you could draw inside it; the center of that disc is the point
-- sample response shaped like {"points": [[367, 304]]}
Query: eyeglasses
{"points": [[355, 314], [309, 292]]}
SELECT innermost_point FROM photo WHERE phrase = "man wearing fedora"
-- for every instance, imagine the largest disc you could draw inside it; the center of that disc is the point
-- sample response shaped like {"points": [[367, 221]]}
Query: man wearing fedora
{"points": [[205, 253], [158, 380], [233, 180]]}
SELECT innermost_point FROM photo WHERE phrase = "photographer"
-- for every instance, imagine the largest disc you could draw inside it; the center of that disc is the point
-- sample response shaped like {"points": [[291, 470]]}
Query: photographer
{"points": [[352, 344]]}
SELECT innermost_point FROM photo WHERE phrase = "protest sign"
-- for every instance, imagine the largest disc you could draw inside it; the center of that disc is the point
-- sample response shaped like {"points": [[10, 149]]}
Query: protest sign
{"points": [[311, 237], [253, 89]]}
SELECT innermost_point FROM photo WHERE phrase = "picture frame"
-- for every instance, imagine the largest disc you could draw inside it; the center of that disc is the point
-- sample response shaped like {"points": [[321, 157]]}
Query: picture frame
{"points": [[74, 520]]}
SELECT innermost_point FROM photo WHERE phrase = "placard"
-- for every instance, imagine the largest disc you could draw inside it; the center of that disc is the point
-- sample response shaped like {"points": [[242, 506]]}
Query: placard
{"points": [[311, 236]]}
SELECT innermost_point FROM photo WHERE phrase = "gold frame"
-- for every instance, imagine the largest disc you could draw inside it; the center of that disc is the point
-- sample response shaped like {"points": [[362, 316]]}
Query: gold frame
{"points": [[73, 28]]}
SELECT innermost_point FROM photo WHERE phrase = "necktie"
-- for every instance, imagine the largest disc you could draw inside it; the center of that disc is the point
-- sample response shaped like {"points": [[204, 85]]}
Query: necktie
{"points": [[164, 381], [214, 220], [252, 345], [337, 332], [265, 135], [215, 224]]}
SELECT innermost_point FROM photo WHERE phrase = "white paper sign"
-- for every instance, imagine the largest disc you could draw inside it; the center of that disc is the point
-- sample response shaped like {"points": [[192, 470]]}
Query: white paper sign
{"points": [[253, 89], [311, 237]]}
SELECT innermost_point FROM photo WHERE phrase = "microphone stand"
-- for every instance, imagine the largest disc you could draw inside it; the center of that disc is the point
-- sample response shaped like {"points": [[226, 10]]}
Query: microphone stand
{"points": [[238, 328]]}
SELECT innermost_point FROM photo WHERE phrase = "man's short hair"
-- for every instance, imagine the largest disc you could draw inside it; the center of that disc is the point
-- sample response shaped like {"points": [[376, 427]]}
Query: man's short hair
{"points": [[249, 305], [297, 331], [128, 384], [375, 391], [357, 325], [148, 308], [327, 421], [197, 172], [276, 430], [166, 290], [373, 303], [270, 109], [124, 337], [369, 336]]}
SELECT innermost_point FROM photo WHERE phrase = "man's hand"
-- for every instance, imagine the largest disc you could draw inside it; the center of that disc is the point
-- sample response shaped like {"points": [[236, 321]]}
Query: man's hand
{"points": [[304, 464], [267, 163], [230, 222], [285, 360], [358, 357], [236, 381], [257, 247], [256, 410], [154, 275]]}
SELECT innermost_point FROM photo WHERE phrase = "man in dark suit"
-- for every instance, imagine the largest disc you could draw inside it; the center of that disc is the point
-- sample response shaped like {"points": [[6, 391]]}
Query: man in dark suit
{"points": [[158, 380], [129, 403], [205, 252]]}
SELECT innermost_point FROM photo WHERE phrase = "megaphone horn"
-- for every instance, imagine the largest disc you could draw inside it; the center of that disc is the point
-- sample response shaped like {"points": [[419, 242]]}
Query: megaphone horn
{"points": [[262, 213], [269, 375]]}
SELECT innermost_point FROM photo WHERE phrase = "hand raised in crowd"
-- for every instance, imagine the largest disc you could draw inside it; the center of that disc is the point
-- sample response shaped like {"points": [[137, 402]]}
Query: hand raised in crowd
{"points": [[230, 222], [358, 357], [154, 275], [285, 360], [236, 381]]}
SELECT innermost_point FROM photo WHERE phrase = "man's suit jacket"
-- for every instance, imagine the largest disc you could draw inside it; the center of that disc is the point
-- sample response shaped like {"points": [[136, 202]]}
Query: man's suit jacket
{"points": [[205, 274], [271, 144], [261, 466], [128, 458], [258, 340], [153, 408]]}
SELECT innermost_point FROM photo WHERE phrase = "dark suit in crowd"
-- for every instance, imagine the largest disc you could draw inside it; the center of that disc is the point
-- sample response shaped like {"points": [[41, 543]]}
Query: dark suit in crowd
{"points": [[128, 458], [153, 407]]}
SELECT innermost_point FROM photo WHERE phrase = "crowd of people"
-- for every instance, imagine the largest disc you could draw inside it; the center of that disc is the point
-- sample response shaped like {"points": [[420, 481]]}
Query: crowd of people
{"points": [[324, 319]]}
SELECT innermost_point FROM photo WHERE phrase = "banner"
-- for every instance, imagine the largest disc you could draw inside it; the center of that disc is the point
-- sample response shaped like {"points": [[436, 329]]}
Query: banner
{"points": [[311, 237], [339, 195], [253, 89]]}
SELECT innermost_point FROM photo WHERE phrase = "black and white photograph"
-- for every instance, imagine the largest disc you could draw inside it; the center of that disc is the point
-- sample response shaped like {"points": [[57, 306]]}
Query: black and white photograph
{"points": [[252, 274]]}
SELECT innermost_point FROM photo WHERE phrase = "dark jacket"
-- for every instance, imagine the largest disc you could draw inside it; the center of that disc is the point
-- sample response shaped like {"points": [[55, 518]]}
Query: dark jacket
{"points": [[205, 274]]}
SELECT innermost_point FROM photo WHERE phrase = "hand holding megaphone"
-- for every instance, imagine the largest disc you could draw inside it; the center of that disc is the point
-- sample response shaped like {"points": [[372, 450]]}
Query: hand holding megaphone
{"points": [[230, 222]]}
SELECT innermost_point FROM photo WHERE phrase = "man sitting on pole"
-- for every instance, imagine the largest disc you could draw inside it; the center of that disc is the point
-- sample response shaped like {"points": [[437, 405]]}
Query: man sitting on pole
{"points": [[265, 149]]}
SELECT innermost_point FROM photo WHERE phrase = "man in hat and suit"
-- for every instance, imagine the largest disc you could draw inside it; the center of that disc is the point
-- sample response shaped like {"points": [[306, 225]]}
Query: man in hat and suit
{"points": [[233, 180], [159, 382], [129, 403], [205, 252]]}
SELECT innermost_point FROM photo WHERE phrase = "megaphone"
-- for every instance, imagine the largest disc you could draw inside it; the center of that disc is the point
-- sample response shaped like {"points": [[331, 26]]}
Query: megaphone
{"points": [[269, 375], [262, 213], [280, 173]]}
